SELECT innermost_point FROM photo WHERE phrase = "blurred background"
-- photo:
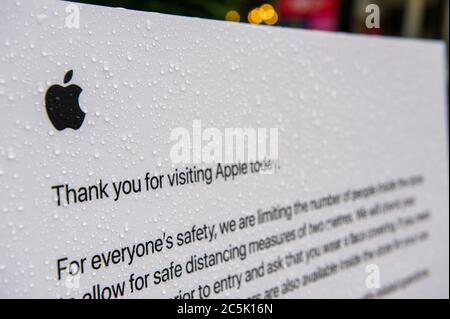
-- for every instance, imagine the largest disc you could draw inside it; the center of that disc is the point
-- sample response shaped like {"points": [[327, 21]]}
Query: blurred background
{"points": [[405, 18]]}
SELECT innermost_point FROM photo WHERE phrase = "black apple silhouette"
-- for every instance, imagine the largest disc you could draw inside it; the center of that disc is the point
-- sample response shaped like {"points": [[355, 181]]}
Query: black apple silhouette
{"points": [[62, 105]]}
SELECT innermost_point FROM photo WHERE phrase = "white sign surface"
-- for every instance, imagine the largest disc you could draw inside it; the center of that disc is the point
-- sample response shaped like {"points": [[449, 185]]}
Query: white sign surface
{"points": [[99, 106]]}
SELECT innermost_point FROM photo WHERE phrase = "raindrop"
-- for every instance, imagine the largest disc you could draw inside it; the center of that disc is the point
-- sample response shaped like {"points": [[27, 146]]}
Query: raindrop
{"points": [[11, 155]]}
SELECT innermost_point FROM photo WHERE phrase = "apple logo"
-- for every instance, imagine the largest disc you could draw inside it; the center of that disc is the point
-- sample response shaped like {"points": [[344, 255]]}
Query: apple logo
{"points": [[62, 105]]}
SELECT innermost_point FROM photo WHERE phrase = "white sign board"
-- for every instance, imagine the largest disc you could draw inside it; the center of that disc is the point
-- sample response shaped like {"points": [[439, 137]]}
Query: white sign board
{"points": [[153, 156]]}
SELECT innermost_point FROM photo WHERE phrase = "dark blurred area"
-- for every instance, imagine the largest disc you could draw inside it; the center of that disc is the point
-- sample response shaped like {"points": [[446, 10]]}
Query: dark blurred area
{"points": [[407, 18]]}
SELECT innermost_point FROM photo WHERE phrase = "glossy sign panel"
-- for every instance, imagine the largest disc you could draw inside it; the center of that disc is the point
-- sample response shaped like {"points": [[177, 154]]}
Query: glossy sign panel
{"points": [[116, 179]]}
